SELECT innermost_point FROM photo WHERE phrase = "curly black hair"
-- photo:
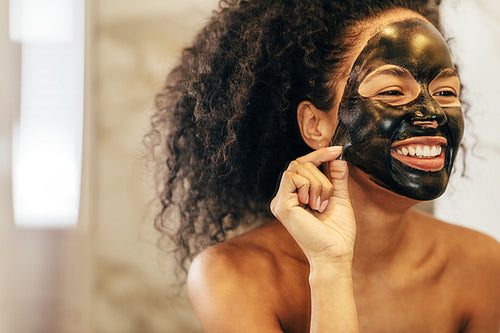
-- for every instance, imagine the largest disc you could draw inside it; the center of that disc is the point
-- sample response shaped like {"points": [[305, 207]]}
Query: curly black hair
{"points": [[225, 123]]}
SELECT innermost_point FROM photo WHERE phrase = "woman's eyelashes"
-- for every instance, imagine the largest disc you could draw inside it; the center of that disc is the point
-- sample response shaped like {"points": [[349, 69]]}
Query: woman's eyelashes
{"points": [[446, 93], [446, 97], [396, 95], [390, 93]]}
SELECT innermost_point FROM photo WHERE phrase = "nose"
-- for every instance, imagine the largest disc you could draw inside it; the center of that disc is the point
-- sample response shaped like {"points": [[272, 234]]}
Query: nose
{"points": [[427, 113], [425, 123]]}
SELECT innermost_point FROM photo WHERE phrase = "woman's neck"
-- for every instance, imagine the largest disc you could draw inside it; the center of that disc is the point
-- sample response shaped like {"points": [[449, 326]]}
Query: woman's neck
{"points": [[381, 222]]}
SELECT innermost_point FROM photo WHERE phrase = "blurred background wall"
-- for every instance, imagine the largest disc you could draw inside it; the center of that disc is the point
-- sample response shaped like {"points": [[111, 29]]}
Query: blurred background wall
{"points": [[107, 274], [473, 28], [132, 45]]}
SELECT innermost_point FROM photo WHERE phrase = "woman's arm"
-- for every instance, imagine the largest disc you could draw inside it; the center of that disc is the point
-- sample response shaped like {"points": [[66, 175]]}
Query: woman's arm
{"points": [[317, 212], [332, 299]]}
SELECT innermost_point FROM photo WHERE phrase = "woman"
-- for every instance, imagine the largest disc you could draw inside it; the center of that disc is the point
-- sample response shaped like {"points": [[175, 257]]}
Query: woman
{"points": [[363, 98]]}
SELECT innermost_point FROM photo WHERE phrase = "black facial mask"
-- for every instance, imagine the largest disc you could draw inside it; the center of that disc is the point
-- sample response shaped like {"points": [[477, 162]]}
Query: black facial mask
{"points": [[377, 134]]}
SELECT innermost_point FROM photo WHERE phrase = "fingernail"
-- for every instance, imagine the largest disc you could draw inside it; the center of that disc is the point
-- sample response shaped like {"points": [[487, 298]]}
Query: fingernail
{"points": [[335, 148], [318, 203], [323, 206]]}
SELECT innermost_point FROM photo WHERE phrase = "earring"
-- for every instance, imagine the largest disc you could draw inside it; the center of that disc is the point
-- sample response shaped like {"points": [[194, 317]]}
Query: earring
{"points": [[319, 145]]}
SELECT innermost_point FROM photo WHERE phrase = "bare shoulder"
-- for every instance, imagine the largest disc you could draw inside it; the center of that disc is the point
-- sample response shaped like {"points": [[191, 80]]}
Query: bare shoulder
{"points": [[471, 246], [247, 258], [473, 269], [232, 263], [232, 285]]}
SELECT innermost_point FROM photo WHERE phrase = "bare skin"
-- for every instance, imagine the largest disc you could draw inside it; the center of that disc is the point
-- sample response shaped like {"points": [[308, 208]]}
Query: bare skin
{"points": [[346, 255], [437, 277]]}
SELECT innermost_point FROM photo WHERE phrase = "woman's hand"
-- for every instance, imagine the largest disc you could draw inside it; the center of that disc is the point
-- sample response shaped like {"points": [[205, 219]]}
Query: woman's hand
{"points": [[316, 209]]}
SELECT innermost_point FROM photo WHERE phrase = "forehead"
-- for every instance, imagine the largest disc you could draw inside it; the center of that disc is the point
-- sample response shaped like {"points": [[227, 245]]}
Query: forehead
{"points": [[412, 44]]}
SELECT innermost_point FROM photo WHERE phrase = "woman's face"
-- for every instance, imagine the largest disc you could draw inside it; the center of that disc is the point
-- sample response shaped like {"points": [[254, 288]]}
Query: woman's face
{"points": [[400, 118]]}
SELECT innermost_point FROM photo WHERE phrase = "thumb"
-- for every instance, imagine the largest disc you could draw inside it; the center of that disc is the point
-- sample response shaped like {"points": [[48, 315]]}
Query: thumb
{"points": [[339, 175]]}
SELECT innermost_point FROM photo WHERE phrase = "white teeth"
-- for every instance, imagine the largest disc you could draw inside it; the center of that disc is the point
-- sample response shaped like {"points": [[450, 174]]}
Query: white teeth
{"points": [[427, 151], [411, 151], [434, 151], [420, 151]]}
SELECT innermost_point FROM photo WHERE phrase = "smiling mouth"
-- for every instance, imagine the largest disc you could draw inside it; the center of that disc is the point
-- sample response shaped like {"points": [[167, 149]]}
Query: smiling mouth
{"points": [[426, 153]]}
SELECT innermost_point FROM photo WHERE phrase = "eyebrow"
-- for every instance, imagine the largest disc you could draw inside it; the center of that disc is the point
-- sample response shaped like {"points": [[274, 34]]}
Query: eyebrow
{"points": [[447, 73], [396, 71], [390, 70]]}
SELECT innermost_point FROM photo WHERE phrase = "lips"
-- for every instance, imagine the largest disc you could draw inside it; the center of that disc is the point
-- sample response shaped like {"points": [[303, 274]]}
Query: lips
{"points": [[425, 153]]}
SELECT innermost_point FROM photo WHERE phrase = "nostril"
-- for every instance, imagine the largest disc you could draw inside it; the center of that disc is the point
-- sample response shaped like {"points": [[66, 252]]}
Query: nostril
{"points": [[434, 118], [425, 123]]}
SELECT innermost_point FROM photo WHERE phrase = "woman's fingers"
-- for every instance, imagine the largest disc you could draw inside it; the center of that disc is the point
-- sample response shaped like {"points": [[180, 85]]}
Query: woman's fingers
{"points": [[292, 187], [338, 172], [301, 184], [321, 156], [315, 183], [327, 229], [323, 190], [320, 189]]}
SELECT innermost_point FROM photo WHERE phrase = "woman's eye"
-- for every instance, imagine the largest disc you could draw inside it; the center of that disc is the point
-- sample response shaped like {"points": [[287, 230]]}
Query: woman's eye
{"points": [[446, 93], [447, 97], [390, 93]]}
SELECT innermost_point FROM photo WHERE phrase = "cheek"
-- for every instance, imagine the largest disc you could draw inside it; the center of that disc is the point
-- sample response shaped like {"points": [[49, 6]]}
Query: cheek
{"points": [[377, 119], [455, 121]]}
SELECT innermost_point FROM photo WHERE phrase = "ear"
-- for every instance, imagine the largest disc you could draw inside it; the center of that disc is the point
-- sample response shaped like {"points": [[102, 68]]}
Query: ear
{"points": [[316, 126]]}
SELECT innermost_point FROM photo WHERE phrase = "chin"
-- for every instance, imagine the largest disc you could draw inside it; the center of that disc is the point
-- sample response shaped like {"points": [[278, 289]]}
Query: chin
{"points": [[416, 184]]}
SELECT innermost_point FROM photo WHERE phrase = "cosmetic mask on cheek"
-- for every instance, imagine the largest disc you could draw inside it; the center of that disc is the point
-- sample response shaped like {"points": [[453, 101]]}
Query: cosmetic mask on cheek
{"points": [[400, 120]]}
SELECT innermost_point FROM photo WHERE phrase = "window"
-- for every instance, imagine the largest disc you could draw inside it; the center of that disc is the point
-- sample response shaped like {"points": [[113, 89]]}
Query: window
{"points": [[47, 134]]}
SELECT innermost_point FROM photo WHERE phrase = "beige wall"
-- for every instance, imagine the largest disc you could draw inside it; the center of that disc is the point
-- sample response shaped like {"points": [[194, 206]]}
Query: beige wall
{"points": [[472, 201], [132, 45], [9, 67], [106, 275]]}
